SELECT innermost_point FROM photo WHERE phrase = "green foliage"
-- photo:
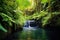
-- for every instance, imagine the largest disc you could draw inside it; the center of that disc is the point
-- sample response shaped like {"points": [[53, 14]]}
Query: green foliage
{"points": [[44, 1], [7, 13], [7, 18], [45, 20], [14, 11], [44, 15], [22, 4], [20, 17], [3, 29]]}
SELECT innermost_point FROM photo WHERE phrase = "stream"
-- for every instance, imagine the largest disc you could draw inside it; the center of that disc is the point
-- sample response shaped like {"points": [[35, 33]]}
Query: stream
{"points": [[34, 33]]}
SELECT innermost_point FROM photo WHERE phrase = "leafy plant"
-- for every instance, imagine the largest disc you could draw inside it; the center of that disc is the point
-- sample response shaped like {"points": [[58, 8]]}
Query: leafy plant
{"points": [[2, 28]]}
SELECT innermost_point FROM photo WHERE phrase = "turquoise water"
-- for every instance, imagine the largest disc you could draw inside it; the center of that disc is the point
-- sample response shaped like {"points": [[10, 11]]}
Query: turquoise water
{"points": [[30, 34], [35, 34]]}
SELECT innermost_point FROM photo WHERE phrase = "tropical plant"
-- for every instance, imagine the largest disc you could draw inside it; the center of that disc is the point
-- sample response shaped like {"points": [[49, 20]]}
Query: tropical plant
{"points": [[18, 11]]}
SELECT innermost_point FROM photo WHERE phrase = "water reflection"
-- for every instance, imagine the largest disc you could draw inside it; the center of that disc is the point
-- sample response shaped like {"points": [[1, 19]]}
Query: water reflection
{"points": [[32, 32], [38, 34]]}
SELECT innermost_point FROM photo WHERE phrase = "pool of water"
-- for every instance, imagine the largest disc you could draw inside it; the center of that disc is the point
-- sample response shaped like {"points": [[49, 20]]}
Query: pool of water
{"points": [[35, 34]]}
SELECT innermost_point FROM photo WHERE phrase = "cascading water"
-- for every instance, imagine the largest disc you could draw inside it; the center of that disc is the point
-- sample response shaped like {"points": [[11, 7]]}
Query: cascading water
{"points": [[29, 26]]}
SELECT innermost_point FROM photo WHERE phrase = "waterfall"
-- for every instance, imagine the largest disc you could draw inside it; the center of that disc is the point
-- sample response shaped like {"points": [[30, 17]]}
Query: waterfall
{"points": [[28, 25]]}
